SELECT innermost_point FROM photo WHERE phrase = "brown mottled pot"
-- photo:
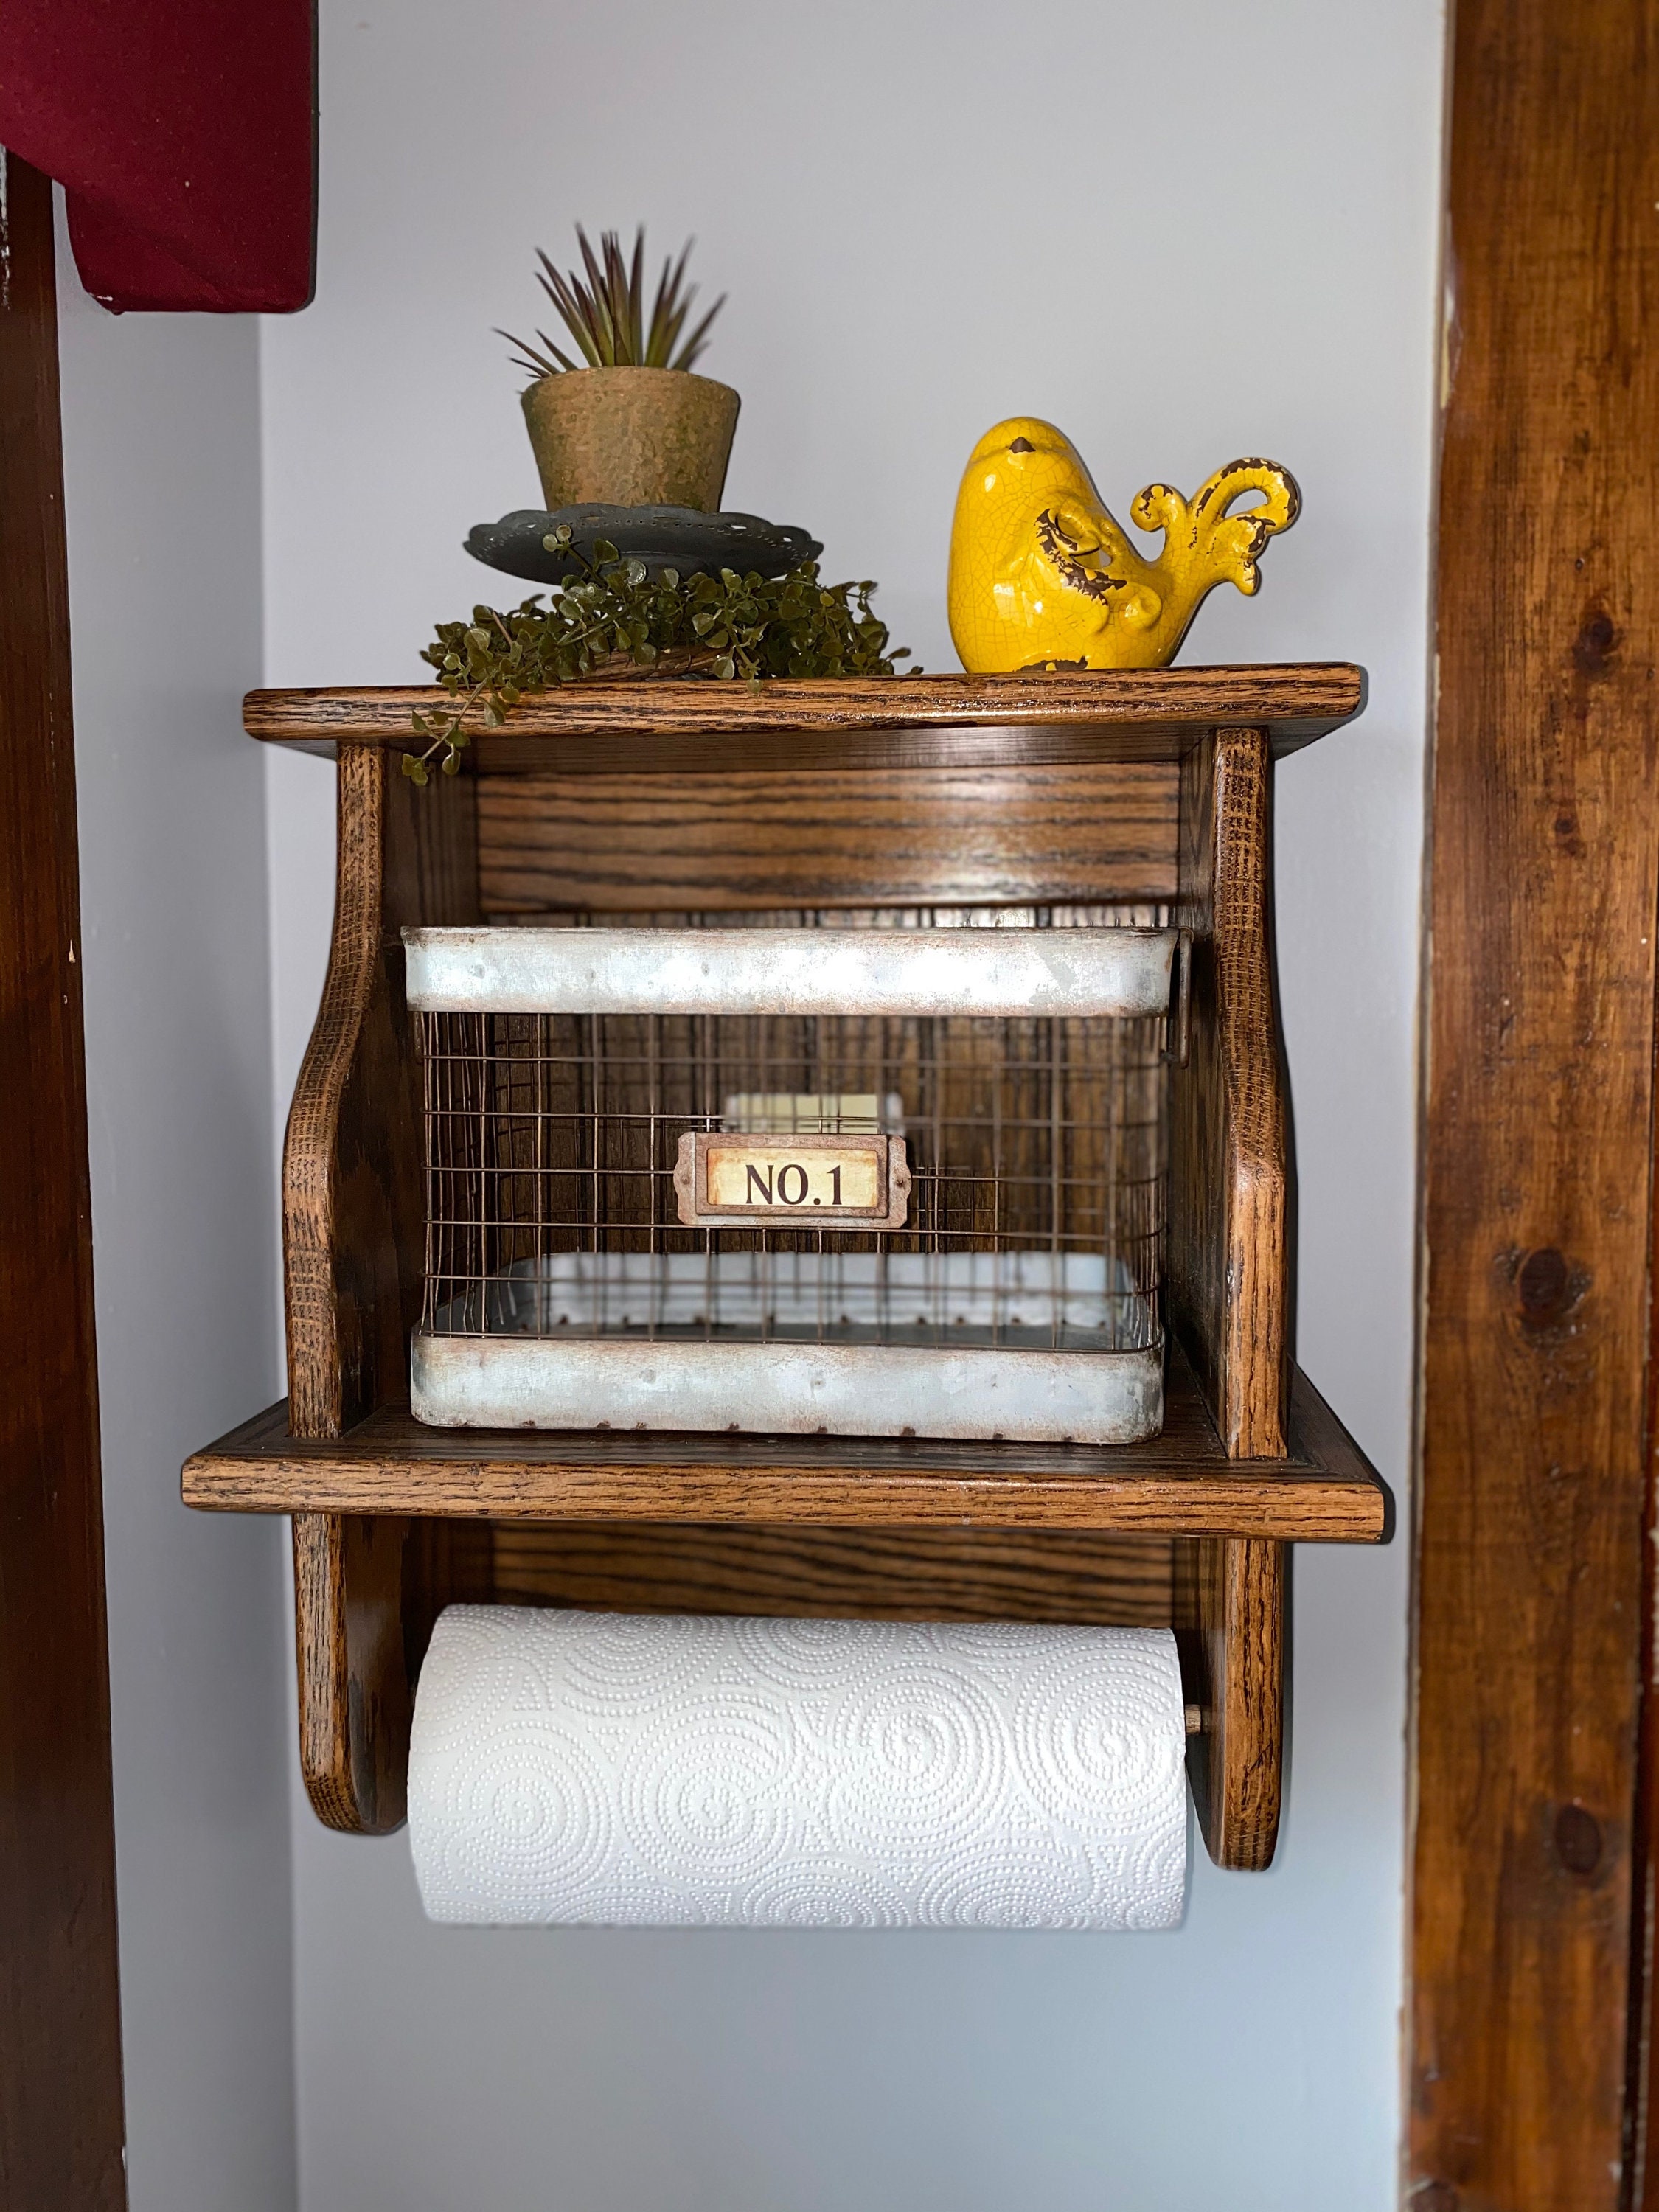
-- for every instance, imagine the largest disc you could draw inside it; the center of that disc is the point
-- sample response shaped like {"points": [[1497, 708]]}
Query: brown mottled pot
{"points": [[631, 437]]}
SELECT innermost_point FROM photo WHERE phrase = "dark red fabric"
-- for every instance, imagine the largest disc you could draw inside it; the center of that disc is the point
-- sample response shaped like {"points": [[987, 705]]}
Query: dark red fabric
{"points": [[185, 132]]}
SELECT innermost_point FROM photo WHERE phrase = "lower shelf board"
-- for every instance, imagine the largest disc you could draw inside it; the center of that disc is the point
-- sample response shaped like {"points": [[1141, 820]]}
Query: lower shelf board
{"points": [[1180, 1483]]}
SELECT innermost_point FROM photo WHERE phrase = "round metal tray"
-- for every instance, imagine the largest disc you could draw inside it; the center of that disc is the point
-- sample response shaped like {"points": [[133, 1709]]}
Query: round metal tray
{"points": [[676, 537]]}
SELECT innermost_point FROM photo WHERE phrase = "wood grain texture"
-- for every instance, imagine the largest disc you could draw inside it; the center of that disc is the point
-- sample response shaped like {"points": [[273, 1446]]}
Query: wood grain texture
{"points": [[1229, 1263], [356, 1699], [1230, 1624], [827, 797], [353, 1193], [61, 2126], [836, 1574], [888, 836], [353, 1239], [1179, 1483], [1538, 1041], [1228, 1281], [1194, 1271], [1641, 2037], [685, 725], [325, 1297]]}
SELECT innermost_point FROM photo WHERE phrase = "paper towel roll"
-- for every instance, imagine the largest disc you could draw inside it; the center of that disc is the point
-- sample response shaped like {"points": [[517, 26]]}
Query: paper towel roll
{"points": [[624, 1769]]}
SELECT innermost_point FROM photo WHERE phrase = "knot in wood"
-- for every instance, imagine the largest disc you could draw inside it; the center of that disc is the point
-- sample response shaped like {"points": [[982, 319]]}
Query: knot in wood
{"points": [[1435, 2197], [1544, 1286], [1596, 644], [1578, 1839]]}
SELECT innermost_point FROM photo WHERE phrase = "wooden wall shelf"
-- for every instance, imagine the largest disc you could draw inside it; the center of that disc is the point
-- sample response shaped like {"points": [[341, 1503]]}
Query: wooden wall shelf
{"points": [[687, 723], [1134, 791], [1180, 1483]]}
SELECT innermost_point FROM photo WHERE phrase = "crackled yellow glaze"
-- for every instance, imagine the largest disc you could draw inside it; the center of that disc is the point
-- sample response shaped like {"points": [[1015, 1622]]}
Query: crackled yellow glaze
{"points": [[1040, 572]]}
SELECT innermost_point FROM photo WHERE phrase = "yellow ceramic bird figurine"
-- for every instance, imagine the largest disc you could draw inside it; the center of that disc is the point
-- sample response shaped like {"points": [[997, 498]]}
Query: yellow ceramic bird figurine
{"points": [[1040, 573]]}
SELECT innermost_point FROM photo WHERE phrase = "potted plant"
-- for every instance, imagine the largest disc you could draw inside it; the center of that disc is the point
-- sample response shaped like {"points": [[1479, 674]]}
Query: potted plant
{"points": [[627, 424], [723, 597]]}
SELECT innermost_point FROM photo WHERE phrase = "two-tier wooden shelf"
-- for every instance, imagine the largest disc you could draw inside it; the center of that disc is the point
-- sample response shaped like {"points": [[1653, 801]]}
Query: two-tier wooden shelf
{"points": [[1149, 792]]}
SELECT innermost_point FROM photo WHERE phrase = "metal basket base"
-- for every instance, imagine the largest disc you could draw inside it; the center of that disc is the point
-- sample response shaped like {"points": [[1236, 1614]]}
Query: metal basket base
{"points": [[774, 1388]]}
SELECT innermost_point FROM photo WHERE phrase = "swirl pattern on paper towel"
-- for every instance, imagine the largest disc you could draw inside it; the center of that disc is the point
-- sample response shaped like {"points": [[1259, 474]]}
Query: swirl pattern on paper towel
{"points": [[621, 1770]]}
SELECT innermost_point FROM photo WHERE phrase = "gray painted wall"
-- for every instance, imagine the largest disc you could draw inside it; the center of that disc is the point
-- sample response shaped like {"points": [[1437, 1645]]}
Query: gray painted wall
{"points": [[1183, 231], [161, 473]]}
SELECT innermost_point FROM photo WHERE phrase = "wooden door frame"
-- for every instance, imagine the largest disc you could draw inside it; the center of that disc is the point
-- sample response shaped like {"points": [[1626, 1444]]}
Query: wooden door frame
{"points": [[1539, 1038], [61, 2117]]}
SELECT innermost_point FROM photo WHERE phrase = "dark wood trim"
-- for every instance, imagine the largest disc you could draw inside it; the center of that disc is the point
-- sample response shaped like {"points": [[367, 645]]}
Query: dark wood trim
{"points": [[1180, 1482], [352, 1213], [1642, 2040], [355, 1684], [685, 725], [1229, 1256], [1538, 1041], [1229, 1616], [61, 2122]]}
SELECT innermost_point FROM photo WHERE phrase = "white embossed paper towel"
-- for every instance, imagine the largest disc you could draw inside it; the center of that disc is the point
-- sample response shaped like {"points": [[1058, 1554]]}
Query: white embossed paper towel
{"points": [[685, 1770]]}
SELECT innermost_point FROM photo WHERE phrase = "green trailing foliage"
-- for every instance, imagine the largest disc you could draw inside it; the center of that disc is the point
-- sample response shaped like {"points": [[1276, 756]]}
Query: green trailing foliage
{"points": [[614, 621], [603, 312]]}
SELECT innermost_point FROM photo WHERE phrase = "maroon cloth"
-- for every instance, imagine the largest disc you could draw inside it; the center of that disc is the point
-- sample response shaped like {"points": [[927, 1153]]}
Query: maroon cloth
{"points": [[185, 133]]}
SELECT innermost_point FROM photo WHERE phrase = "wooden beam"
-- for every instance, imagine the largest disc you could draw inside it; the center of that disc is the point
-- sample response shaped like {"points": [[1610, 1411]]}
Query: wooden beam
{"points": [[61, 2126], [1539, 1053]]}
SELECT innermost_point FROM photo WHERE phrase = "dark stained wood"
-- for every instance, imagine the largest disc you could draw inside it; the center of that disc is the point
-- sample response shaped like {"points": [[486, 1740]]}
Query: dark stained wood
{"points": [[355, 1698], [1195, 1271], [336, 1221], [1230, 1622], [448, 1562], [353, 1243], [353, 1193], [1228, 1281], [1229, 1263], [835, 1574], [788, 725], [431, 861], [1642, 2039], [671, 798], [1180, 1483], [915, 837], [61, 2126], [1539, 1048]]}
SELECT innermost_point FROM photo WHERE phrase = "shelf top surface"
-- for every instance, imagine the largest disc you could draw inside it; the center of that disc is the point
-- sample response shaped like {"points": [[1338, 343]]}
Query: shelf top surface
{"points": [[685, 723], [1179, 1482]]}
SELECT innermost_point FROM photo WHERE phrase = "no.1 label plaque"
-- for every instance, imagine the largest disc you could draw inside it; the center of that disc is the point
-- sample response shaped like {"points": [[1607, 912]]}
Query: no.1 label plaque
{"points": [[828, 1182]]}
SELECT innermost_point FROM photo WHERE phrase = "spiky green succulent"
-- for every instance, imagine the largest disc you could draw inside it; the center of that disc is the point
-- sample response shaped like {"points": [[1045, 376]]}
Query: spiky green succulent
{"points": [[601, 306]]}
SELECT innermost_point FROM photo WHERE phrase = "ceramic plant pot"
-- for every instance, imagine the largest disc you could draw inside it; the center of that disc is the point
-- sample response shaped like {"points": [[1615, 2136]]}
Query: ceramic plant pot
{"points": [[631, 437]]}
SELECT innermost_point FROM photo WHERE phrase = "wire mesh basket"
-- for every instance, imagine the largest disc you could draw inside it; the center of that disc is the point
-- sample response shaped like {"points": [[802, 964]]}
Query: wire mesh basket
{"points": [[863, 1181]]}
